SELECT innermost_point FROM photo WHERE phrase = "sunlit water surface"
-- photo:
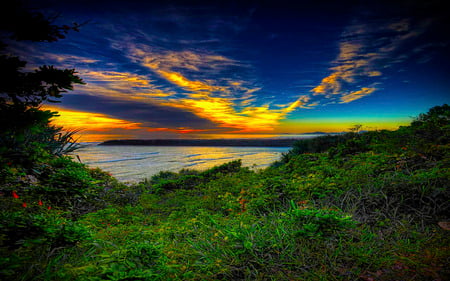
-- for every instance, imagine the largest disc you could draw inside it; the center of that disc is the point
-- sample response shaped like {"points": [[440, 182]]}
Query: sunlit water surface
{"points": [[135, 163]]}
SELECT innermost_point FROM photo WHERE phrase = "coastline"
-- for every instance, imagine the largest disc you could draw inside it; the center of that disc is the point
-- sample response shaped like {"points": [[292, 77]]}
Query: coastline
{"points": [[205, 142]]}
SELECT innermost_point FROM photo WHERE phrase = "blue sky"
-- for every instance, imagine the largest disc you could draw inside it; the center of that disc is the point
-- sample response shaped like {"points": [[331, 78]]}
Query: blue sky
{"points": [[232, 68]]}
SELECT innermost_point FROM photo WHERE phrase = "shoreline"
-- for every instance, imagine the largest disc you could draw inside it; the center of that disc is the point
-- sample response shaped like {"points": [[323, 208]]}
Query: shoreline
{"points": [[206, 142]]}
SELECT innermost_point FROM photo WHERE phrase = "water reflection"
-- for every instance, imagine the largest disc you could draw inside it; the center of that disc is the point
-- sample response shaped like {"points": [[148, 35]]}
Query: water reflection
{"points": [[134, 163]]}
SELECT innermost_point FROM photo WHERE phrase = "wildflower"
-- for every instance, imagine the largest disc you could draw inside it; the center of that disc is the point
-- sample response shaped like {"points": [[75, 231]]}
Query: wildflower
{"points": [[40, 203], [24, 204], [14, 194], [48, 208], [404, 148]]}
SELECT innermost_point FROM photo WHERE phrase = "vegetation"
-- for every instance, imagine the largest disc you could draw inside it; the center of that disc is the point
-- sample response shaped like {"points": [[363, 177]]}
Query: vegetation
{"points": [[366, 208], [358, 206]]}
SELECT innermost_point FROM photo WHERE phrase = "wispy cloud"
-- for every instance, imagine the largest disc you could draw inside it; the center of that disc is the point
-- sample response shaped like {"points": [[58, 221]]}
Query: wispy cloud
{"points": [[122, 85], [356, 95], [366, 50], [66, 60], [228, 103], [90, 121]]}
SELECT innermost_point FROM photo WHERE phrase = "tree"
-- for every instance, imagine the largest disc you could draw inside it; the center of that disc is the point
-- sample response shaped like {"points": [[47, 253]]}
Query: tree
{"points": [[26, 135]]}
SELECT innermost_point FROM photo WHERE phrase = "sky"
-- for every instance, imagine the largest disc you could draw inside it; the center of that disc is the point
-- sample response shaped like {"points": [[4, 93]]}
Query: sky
{"points": [[220, 69]]}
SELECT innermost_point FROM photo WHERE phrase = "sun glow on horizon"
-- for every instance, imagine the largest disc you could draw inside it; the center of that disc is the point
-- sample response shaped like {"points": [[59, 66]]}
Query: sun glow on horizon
{"points": [[90, 124]]}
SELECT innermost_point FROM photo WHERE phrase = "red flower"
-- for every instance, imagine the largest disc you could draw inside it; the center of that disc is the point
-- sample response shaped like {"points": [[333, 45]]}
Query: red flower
{"points": [[48, 208], [14, 194], [24, 204], [40, 203]]}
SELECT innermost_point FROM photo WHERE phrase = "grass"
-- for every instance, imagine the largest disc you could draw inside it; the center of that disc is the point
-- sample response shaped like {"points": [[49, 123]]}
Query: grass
{"points": [[368, 212]]}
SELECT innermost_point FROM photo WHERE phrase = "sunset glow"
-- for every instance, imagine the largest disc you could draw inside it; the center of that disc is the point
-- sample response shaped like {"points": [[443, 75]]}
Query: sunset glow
{"points": [[176, 70]]}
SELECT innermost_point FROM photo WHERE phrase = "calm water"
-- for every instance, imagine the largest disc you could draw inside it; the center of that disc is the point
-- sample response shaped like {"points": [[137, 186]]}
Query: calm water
{"points": [[134, 163]]}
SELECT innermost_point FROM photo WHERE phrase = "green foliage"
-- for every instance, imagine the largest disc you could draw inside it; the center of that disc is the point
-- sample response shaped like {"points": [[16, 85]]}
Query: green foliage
{"points": [[365, 208], [27, 138], [316, 145], [34, 234], [319, 223], [166, 181], [65, 182]]}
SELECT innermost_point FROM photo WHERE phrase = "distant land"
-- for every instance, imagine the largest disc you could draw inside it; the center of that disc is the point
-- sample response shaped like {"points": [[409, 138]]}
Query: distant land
{"points": [[281, 142]]}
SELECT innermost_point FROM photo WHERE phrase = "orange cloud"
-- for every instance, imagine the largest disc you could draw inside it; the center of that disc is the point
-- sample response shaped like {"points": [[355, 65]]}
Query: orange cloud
{"points": [[183, 82], [130, 79], [88, 121], [356, 95], [351, 63], [187, 60], [207, 98], [249, 119], [359, 57]]}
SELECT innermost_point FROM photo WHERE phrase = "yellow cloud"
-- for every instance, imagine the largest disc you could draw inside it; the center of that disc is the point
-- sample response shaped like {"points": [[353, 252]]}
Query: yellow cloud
{"points": [[205, 97], [300, 102], [88, 121], [168, 60], [183, 82], [117, 77], [64, 59], [249, 119], [356, 95], [374, 73], [361, 56], [329, 84]]}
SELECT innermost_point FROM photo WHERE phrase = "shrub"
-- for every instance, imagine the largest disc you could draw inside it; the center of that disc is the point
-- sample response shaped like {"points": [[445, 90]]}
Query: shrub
{"points": [[320, 223]]}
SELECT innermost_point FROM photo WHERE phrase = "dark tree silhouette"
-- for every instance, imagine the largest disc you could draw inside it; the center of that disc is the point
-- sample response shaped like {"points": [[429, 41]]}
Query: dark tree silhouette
{"points": [[26, 135]]}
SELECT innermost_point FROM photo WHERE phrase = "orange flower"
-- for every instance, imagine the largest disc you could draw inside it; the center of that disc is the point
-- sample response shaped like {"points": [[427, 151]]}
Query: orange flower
{"points": [[40, 203], [14, 194]]}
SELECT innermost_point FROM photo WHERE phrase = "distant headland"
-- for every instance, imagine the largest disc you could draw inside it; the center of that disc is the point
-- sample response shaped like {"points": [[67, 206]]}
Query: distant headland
{"points": [[282, 142]]}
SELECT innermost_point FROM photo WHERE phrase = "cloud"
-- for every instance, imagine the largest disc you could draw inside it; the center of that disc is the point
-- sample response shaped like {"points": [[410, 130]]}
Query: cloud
{"points": [[94, 126], [66, 60], [146, 113], [356, 95], [118, 78], [121, 85], [249, 119], [229, 103], [90, 121], [186, 60], [194, 86], [366, 50]]}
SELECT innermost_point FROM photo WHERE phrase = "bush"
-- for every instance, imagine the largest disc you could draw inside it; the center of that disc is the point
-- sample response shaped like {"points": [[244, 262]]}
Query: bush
{"points": [[320, 223]]}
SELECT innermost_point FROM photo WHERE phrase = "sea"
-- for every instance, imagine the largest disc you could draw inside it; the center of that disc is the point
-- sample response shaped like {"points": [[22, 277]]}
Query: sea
{"points": [[131, 164]]}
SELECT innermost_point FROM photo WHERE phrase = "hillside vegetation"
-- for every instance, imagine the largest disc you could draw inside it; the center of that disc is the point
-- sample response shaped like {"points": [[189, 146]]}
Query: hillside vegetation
{"points": [[358, 206]]}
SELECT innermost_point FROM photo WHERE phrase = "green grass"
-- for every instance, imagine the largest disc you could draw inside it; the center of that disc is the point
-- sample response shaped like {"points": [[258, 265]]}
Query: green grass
{"points": [[365, 212]]}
